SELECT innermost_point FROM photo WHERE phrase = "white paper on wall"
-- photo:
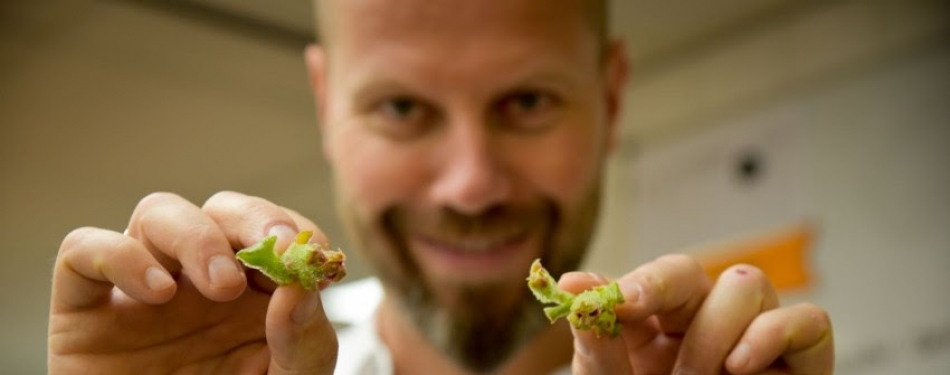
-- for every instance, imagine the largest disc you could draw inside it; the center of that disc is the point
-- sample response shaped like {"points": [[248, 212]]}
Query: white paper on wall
{"points": [[725, 181]]}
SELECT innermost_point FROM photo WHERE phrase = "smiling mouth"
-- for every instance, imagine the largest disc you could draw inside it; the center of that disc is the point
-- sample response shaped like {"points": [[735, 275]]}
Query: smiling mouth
{"points": [[474, 245], [474, 257]]}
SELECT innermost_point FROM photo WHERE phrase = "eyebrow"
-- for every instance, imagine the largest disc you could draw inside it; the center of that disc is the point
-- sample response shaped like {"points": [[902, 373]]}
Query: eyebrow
{"points": [[553, 73], [375, 89], [552, 76], [559, 82]]}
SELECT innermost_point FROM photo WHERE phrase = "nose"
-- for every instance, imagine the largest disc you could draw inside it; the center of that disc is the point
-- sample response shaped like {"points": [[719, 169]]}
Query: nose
{"points": [[471, 178]]}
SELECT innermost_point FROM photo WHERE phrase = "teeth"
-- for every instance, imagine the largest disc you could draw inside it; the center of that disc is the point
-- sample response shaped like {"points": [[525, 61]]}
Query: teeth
{"points": [[477, 246], [473, 245]]}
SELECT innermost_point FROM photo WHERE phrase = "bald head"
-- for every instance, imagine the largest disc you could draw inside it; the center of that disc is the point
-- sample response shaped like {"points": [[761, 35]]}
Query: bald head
{"points": [[593, 12], [455, 106]]}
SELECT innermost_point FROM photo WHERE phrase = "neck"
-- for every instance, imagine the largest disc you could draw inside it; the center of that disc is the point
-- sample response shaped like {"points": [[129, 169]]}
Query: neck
{"points": [[412, 353]]}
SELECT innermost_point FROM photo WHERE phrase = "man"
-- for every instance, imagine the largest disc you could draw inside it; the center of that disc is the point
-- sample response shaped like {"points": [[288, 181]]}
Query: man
{"points": [[467, 138]]}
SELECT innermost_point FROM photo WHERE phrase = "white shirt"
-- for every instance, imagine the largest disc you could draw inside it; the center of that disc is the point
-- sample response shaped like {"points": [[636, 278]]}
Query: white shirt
{"points": [[361, 350]]}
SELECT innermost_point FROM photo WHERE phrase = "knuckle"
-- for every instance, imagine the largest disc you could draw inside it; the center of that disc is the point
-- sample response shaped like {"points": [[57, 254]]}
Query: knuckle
{"points": [[96, 247], [654, 280], [678, 260], [157, 199], [817, 315], [775, 330], [75, 239], [221, 197], [201, 234], [671, 268], [682, 264], [244, 218], [229, 202], [201, 237], [770, 325], [153, 208], [91, 238]]}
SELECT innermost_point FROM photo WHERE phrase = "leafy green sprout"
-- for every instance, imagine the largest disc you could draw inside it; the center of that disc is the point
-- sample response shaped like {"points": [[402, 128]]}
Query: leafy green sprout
{"points": [[591, 310], [308, 263]]}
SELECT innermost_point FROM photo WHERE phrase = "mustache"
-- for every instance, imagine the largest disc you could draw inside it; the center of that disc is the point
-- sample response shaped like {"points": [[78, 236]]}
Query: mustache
{"points": [[499, 220]]}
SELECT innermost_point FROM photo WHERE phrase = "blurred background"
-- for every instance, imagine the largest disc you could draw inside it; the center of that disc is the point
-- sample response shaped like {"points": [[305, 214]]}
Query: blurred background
{"points": [[809, 137]]}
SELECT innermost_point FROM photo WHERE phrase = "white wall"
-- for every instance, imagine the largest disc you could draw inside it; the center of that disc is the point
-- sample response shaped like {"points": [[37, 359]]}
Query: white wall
{"points": [[84, 84], [879, 173], [872, 176], [860, 146], [102, 102]]}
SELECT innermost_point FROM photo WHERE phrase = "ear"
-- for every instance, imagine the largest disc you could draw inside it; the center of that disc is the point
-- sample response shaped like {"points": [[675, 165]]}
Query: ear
{"points": [[617, 70], [315, 60]]}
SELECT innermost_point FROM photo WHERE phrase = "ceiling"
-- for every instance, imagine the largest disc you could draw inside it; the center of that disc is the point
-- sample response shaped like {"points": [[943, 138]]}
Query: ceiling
{"points": [[103, 101], [654, 28]]}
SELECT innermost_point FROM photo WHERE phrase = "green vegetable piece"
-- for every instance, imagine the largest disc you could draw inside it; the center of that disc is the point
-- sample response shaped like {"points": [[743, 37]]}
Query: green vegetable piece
{"points": [[594, 310], [310, 264], [545, 290], [261, 256], [591, 310]]}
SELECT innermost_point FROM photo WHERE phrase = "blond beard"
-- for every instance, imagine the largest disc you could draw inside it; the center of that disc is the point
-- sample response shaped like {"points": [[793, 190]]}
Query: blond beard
{"points": [[475, 332]]}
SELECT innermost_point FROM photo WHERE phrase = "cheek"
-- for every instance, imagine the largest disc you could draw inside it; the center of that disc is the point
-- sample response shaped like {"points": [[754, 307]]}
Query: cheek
{"points": [[372, 174], [563, 165]]}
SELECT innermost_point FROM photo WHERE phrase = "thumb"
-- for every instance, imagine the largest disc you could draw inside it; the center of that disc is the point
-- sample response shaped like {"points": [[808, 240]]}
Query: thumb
{"points": [[594, 355], [599, 355], [299, 336]]}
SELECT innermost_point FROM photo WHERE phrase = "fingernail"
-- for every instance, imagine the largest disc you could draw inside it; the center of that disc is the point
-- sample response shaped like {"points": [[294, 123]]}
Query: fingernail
{"points": [[305, 308], [740, 356], [598, 277], [684, 371], [157, 279], [282, 232], [223, 272], [631, 290], [285, 236]]}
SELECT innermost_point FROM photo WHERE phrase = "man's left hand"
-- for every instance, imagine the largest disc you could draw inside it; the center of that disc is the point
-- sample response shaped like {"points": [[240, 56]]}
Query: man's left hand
{"points": [[676, 321]]}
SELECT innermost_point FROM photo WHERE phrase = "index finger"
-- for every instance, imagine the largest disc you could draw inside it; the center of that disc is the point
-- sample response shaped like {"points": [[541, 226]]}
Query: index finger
{"points": [[672, 287], [660, 298], [246, 219], [181, 235]]}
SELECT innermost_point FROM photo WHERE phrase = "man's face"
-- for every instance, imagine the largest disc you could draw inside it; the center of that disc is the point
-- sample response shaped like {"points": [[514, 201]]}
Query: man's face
{"points": [[467, 139]]}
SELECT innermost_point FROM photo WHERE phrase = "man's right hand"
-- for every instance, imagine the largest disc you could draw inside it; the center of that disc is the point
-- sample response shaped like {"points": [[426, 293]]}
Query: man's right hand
{"points": [[168, 295]]}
